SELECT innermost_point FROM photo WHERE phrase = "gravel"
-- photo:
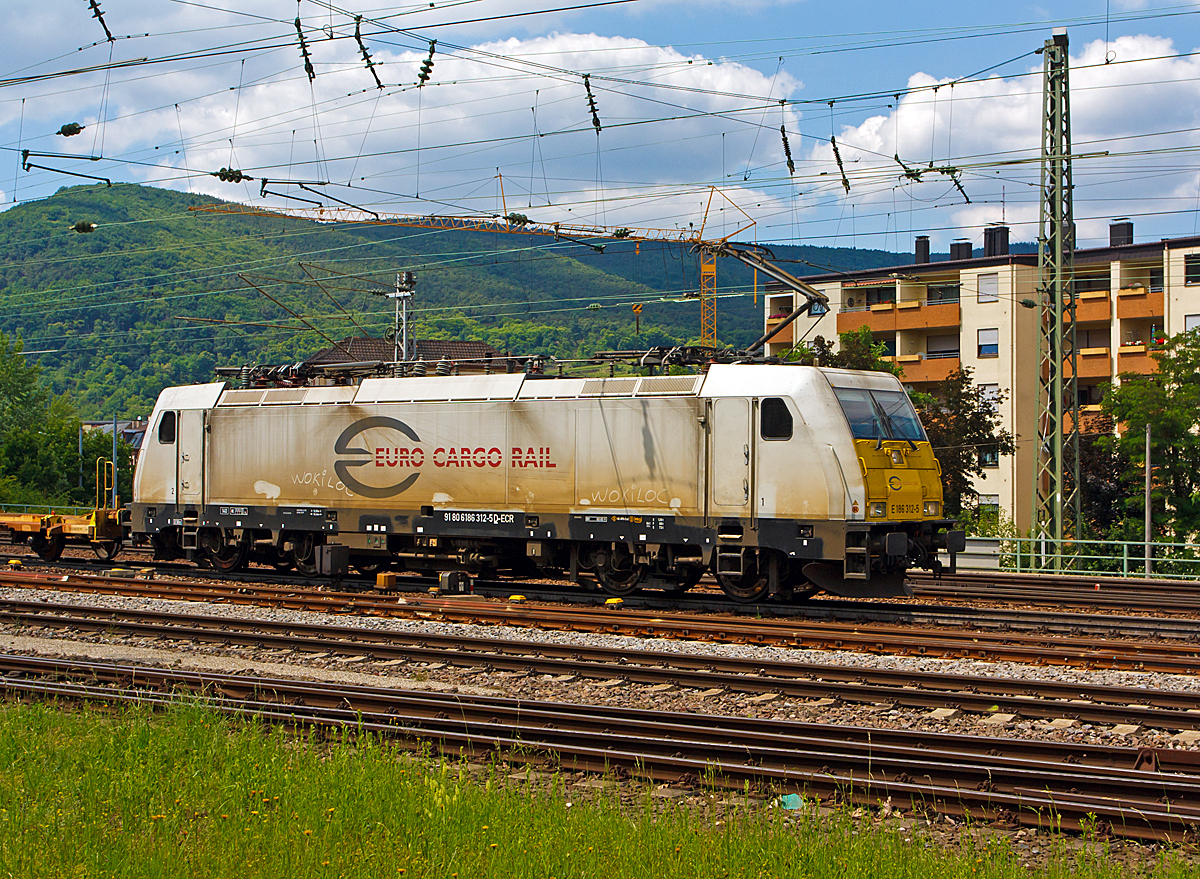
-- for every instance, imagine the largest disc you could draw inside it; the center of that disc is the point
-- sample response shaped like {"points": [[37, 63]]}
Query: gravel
{"points": [[613, 691]]}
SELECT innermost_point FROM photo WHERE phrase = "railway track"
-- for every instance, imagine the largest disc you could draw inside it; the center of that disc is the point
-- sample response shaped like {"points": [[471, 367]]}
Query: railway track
{"points": [[891, 612], [1051, 785], [1163, 709], [1025, 647], [1081, 589], [1062, 590]]}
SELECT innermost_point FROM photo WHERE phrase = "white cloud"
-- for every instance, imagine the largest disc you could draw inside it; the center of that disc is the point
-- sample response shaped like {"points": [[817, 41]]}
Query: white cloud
{"points": [[1148, 90], [673, 123], [476, 115]]}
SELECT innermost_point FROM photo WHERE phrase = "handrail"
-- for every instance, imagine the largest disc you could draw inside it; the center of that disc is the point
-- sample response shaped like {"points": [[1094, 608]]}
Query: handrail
{"points": [[847, 500], [1126, 558]]}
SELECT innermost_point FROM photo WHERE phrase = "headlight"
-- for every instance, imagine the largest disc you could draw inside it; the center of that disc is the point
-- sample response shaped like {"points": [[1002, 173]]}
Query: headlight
{"points": [[878, 510], [932, 508]]}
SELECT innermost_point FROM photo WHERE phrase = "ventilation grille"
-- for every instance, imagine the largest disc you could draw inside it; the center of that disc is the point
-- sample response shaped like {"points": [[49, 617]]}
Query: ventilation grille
{"points": [[241, 398], [669, 384], [284, 395], [609, 387]]}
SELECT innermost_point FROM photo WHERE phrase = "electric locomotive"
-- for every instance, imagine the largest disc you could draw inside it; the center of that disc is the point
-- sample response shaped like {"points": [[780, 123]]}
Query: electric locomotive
{"points": [[781, 480]]}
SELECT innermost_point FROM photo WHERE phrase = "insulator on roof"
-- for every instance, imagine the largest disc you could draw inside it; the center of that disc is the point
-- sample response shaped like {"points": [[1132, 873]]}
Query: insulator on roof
{"points": [[444, 366]]}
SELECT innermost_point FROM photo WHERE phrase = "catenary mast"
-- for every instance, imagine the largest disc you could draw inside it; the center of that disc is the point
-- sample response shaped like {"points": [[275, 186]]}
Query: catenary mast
{"points": [[1057, 500]]}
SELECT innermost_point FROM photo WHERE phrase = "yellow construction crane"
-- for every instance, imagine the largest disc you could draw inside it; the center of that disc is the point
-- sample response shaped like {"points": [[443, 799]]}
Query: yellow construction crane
{"points": [[520, 224]]}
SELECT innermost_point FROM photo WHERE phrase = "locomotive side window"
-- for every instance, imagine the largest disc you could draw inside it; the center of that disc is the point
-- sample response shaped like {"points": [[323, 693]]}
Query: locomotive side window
{"points": [[166, 428], [775, 421]]}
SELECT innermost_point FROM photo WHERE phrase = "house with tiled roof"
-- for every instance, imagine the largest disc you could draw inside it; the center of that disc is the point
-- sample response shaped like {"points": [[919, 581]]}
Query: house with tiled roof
{"points": [[467, 356]]}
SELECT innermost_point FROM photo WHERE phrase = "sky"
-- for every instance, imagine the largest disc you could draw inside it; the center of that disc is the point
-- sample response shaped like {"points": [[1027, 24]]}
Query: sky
{"points": [[689, 99]]}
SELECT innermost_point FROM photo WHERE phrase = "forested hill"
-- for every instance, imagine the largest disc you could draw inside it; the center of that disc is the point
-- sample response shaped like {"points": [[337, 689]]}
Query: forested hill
{"points": [[159, 295]]}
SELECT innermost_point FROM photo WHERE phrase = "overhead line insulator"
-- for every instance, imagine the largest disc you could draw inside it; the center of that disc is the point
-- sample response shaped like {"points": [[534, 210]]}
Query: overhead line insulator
{"points": [[231, 175], [308, 66], [842, 168], [70, 129], [591, 99], [99, 16], [363, 48], [426, 65], [787, 151]]}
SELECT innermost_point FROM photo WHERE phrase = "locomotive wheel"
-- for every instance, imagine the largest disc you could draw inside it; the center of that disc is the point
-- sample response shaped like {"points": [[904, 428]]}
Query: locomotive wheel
{"points": [[304, 554], [620, 582], [106, 550], [230, 557], [747, 588], [48, 548]]}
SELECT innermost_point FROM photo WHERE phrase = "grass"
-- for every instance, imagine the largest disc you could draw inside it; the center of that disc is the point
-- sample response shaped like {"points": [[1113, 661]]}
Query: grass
{"points": [[89, 793]]}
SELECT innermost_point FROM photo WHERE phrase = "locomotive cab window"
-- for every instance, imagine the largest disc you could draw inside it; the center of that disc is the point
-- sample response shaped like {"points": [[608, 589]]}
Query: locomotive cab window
{"points": [[880, 414], [166, 428], [775, 421]]}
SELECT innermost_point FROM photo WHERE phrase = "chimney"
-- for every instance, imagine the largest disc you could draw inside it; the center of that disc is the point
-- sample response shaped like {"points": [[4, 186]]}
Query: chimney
{"points": [[922, 249], [1120, 232], [960, 249], [995, 241]]}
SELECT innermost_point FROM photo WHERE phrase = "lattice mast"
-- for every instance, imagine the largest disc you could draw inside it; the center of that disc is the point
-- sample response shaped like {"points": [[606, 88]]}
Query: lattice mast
{"points": [[1057, 500]]}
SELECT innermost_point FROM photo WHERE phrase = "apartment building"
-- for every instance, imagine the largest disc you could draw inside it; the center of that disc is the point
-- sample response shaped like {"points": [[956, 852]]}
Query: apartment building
{"points": [[933, 317]]}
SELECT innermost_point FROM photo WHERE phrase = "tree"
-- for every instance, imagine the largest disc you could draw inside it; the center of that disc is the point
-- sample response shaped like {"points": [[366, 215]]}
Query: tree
{"points": [[22, 400], [1169, 400], [855, 350], [962, 420], [40, 461], [1104, 473]]}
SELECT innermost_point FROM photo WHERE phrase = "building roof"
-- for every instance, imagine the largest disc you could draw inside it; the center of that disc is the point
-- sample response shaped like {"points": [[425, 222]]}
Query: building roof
{"points": [[358, 350], [1084, 256]]}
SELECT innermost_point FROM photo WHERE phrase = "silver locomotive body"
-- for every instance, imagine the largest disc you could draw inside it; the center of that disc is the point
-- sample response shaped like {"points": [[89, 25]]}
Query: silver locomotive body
{"points": [[752, 472]]}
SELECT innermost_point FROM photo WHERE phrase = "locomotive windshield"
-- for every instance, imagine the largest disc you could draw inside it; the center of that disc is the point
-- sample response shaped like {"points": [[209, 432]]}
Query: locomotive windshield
{"points": [[880, 414]]}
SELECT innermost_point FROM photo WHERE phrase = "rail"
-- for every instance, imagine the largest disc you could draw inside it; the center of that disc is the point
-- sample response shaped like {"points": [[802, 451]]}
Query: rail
{"points": [[1053, 785]]}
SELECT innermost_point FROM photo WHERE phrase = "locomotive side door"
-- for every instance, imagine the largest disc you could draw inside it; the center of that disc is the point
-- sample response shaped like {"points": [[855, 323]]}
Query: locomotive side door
{"points": [[190, 449], [729, 465]]}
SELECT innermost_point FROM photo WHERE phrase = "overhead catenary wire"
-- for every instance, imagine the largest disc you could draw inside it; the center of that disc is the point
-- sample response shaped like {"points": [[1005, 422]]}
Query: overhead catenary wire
{"points": [[845, 179]]}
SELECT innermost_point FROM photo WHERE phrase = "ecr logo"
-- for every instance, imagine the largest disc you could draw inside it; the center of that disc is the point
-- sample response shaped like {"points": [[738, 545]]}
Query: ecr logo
{"points": [[366, 456], [894, 483]]}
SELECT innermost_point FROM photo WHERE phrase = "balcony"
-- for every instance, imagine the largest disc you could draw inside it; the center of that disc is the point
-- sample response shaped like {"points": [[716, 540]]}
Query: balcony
{"points": [[1094, 305], [1138, 302], [772, 322], [1094, 363], [925, 368], [1135, 359], [880, 318], [919, 315]]}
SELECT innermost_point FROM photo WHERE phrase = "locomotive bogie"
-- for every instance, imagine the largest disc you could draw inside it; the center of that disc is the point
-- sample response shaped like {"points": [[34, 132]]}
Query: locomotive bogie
{"points": [[769, 477]]}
